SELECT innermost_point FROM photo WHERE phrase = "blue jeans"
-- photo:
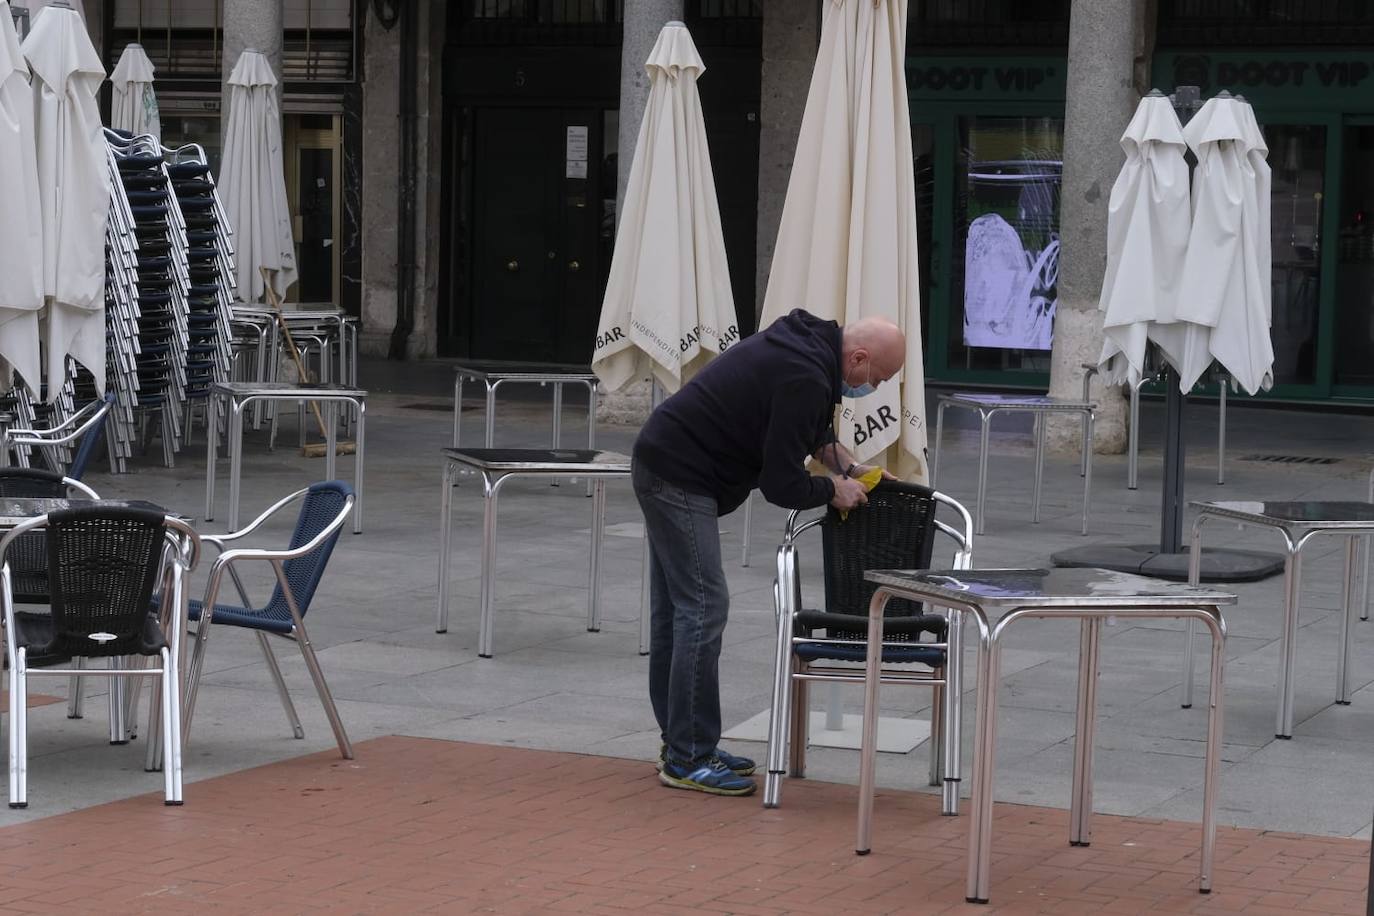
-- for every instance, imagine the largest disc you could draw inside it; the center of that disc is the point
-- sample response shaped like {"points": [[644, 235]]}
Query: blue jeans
{"points": [[688, 602]]}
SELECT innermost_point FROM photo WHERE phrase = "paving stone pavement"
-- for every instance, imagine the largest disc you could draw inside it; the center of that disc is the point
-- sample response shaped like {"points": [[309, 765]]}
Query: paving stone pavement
{"points": [[414, 825], [554, 686]]}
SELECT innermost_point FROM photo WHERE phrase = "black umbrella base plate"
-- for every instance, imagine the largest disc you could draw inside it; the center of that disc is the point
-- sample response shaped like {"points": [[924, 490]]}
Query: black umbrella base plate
{"points": [[1218, 565]]}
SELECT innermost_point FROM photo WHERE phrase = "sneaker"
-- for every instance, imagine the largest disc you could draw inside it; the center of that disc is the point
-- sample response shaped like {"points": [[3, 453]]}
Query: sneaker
{"points": [[711, 777], [740, 766]]}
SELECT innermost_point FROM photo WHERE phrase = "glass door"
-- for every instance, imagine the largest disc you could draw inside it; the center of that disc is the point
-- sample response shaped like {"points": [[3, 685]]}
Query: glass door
{"points": [[1298, 163], [1354, 311], [313, 179]]}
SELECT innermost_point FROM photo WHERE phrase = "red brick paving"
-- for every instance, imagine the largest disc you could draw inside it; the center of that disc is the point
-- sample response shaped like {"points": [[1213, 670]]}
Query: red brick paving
{"points": [[417, 825]]}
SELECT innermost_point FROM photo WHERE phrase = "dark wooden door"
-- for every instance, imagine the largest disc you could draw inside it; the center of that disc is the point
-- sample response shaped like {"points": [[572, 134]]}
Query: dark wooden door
{"points": [[535, 274]]}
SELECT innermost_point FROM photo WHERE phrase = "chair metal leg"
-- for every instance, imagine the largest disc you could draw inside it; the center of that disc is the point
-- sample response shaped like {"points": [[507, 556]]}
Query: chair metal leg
{"points": [[18, 697], [275, 670], [322, 688], [171, 731], [779, 711], [799, 729], [155, 755], [936, 742], [951, 731], [118, 734], [74, 691]]}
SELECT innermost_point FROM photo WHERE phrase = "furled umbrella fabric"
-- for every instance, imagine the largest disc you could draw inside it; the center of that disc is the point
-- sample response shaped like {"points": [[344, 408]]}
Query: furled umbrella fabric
{"points": [[21, 232], [133, 103], [252, 184], [1147, 239], [668, 308], [846, 246], [1227, 285], [74, 191]]}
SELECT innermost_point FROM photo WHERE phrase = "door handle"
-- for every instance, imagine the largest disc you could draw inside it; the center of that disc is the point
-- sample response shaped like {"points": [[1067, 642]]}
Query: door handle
{"points": [[574, 266], [512, 265]]}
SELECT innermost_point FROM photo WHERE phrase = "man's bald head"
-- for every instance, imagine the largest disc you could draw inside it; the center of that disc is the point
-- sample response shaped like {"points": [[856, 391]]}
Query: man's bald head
{"points": [[873, 350]]}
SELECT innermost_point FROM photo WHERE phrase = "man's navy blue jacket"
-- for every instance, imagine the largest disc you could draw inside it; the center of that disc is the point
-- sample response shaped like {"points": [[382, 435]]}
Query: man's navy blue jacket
{"points": [[750, 418]]}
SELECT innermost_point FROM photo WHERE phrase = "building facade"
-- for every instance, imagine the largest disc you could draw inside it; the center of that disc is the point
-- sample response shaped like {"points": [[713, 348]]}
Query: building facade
{"points": [[453, 165]]}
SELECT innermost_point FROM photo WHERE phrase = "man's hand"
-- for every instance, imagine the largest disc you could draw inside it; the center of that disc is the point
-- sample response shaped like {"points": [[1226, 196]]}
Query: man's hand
{"points": [[862, 469], [848, 493]]}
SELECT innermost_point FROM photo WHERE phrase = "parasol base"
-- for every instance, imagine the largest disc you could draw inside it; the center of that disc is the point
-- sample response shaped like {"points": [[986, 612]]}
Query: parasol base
{"points": [[1218, 565]]}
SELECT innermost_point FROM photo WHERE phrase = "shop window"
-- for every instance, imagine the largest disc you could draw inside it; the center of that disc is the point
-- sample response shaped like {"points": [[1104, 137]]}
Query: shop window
{"points": [[983, 23], [1192, 23], [1006, 267]]}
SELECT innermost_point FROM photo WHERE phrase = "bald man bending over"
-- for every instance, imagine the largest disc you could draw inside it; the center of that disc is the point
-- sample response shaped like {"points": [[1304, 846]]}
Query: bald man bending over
{"points": [[746, 421]]}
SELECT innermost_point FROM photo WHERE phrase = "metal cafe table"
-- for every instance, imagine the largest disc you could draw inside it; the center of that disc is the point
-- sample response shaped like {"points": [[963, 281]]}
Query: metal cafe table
{"points": [[493, 375], [988, 406], [1297, 523], [498, 466], [997, 599], [237, 396]]}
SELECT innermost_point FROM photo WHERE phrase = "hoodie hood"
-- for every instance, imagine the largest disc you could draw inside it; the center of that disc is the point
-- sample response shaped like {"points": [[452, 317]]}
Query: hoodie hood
{"points": [[816, 340]]}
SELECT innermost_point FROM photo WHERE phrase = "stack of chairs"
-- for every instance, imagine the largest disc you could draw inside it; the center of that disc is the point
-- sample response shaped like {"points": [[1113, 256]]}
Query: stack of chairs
{"points": [[159, 380], [121, 319], [211, 268]]}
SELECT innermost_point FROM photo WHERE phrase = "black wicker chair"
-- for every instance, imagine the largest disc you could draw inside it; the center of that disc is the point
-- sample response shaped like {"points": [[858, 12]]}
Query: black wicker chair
{"points": [[104, 564], [895, 530]]}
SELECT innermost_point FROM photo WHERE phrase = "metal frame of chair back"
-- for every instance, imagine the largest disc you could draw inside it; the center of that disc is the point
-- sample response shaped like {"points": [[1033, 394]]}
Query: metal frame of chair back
{"points": [[126, 556], [303, 562], [789, 713], [86, 425]]}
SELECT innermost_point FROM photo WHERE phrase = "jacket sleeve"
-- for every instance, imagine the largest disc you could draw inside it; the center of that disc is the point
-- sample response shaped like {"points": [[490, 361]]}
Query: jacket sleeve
{"points": [[788, 440]]}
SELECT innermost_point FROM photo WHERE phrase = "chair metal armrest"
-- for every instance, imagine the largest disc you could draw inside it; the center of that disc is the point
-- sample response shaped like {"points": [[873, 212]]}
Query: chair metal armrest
{"points": [[219, 540], [963, 556], [793, 530], [44, 436]]}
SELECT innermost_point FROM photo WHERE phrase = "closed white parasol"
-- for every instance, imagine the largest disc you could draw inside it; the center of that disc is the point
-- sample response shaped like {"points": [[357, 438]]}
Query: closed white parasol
{"points": [[21, 233], [133, 104]]}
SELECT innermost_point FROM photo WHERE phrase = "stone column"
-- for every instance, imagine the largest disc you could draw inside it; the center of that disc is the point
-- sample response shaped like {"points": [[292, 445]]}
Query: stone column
{"points": [[1105, 38], [791, 32], [644, 19], [381, 172], [255, 24]]}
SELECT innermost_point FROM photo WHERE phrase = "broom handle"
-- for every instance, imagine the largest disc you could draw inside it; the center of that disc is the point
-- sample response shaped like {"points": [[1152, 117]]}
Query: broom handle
{"points": [[291, 345]]}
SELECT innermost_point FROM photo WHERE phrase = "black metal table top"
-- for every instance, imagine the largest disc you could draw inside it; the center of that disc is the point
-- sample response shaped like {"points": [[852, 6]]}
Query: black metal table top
{"points": [[1293, 513], [542, 460], [1003, 589]]}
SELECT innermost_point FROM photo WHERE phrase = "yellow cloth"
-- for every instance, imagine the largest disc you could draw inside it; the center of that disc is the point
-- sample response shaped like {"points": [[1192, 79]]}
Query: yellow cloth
{"points": [[869, 479]]}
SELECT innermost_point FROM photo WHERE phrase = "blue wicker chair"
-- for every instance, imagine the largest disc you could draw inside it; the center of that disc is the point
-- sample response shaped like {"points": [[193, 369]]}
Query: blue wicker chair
{"points": [[298, 568]]}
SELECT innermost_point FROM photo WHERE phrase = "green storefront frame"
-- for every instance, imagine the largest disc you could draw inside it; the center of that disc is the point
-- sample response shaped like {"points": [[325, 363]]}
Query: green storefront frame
{"points": [[1307, 93]]}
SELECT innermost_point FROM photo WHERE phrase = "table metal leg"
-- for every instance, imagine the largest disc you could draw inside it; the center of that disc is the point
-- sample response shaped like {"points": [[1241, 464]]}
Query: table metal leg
{"points": [[1221, 434], [984, 749], [1288, 641], [1194, 575], [1040, 425], [591, 424], [644, 600], [939, 434], [331, 440], [490, 489], [457, 407], [953, 713], [748, 528], [1081, 809], [868, 753], [358, 467], [235, 460], [211, 445], [1213, 763], [445, 530], [491, 414], [1133, 437], [986, 421], [1347, 616], [1088, 473], [598, 533]]}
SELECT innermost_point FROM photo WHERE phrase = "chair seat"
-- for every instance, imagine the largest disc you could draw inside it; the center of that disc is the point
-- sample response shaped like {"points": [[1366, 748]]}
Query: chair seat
{"points": [[252, 618], [35, 631], [858, 652]]}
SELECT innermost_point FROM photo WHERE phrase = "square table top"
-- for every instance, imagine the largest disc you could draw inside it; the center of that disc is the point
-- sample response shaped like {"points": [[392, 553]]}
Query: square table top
{"points": [[1015, 401], [15, 510], [287, 389], [1292, 513], [1008, 589], [566, 461], [492, 370]]}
